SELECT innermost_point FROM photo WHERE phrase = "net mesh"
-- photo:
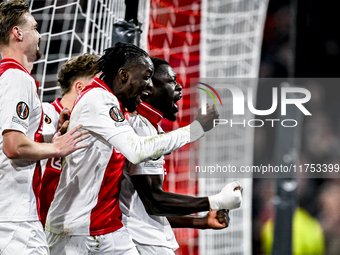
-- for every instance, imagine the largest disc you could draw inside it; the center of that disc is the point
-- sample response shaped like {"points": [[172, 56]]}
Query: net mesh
{"points": [[71, 27], [231, 38], [174, 35]]}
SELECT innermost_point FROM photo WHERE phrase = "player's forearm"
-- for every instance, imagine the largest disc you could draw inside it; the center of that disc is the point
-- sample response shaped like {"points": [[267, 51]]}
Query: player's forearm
{"points": [[18, 146], [138, 149], [159, 202], [172, 204], [188, 221]]}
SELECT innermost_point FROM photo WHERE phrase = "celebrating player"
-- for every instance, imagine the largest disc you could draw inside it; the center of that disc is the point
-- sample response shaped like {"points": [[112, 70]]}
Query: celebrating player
{"points": [[143, 201], [21, 120], [73, 76], [85, 215]]}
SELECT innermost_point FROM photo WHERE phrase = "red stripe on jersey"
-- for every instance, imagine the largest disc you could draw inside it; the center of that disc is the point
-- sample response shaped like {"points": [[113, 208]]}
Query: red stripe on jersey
{"points": [[51, 176], [97, 83], [37, 176], [49, 184], [9, 63], [57, 105], [106, 215], [151, 113]]}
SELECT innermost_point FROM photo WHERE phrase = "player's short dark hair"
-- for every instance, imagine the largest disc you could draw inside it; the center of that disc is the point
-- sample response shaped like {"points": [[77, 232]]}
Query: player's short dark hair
{"points": [[157, 62], [11, 13], [121, 55], [84, 65]]}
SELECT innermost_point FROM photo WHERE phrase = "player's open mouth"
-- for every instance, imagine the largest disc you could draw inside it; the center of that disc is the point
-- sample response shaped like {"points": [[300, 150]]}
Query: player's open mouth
{"points": [[146, 92], [178, 97]]}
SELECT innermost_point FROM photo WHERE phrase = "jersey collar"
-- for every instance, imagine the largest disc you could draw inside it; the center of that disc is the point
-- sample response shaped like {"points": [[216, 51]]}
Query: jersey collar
{"points": [[98, 83], [57, 105], [9, 63], [151, 113]]}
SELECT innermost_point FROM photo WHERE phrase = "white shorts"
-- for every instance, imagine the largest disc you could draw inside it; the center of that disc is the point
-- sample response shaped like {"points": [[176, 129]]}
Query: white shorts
{"points": [[146, 249], [118, 242], [24, 238]]}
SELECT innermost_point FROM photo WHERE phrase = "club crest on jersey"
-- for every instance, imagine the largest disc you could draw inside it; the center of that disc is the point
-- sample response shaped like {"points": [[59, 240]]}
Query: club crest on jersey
{"points": [[116, 114], [22, 110], [47, 119]]}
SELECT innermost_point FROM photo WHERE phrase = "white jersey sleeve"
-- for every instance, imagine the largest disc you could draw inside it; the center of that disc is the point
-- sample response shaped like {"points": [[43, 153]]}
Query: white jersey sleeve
{"points": [[143, 127], [50, 122], [18, 102], [138, 149], [98, 111]]}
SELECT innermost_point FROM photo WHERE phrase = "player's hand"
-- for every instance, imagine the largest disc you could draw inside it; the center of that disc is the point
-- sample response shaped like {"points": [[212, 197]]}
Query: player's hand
{"points": [[230, 197], [63, 120], [218, 219], [68, 143], [207, 121]]}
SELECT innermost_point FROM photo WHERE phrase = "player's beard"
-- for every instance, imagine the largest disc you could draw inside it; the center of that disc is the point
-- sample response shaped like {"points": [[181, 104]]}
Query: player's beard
{"points": [[38, 55], [129, 103]]}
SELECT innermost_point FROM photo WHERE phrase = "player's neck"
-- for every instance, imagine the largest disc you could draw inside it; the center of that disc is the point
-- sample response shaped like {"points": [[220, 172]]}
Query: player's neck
{"points": [[68, 101], [17, 56]]}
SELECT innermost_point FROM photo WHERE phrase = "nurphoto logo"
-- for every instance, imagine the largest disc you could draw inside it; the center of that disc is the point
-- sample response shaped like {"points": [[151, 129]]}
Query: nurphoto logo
{"points": [[288, 96]]}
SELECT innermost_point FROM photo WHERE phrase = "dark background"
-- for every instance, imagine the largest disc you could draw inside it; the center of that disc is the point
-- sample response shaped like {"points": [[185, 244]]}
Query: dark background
{"points": [[317, 54]]}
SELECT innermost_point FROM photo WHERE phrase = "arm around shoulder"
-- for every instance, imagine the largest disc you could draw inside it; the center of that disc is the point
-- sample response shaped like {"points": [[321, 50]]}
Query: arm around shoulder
{"points": [[16, 145]]}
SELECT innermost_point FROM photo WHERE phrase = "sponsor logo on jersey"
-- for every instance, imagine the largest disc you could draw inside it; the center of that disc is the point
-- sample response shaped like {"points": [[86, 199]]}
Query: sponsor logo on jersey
{"points": [[20, 122], [154, 164], [22, 110], [47, 119], [121, 124], [56, 163], [116, 114]]}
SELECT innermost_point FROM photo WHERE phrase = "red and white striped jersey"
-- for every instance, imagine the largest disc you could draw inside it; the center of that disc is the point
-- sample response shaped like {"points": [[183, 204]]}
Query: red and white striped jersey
{"points": [[51, 117], [51, 168], [144, 228], [86, 201], [20, 110]]}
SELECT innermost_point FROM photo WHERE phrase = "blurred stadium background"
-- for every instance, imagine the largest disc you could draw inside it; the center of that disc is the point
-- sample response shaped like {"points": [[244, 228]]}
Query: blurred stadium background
{"points": [[218, 38]]}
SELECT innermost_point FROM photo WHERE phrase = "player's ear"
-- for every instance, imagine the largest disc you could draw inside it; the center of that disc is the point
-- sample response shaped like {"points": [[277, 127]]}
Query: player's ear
{"points": [[16, 31], [79, 86], [123, 74]]}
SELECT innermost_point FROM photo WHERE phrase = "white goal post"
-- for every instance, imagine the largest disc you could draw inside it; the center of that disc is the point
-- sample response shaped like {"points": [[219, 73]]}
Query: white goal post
{"points": [[231, 39]]}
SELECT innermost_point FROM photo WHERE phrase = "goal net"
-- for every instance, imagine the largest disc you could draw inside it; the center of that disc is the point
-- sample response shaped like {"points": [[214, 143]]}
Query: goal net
{"points": [[231, 39], [71, 27]]}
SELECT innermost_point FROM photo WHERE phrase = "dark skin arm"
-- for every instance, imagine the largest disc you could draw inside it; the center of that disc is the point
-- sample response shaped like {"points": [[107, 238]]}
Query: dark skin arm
{"points": [[207, 120], [63, 120], [159, 202], [213, 220]]}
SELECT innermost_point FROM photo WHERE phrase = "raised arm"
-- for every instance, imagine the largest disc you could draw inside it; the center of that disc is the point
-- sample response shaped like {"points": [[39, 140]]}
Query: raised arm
{"points": [[143, 148]]}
